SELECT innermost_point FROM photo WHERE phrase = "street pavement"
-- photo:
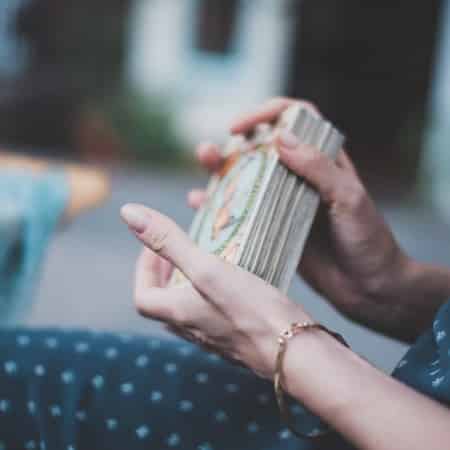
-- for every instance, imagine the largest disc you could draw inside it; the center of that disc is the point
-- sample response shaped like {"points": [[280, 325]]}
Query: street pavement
{"points": [[87, 277]]}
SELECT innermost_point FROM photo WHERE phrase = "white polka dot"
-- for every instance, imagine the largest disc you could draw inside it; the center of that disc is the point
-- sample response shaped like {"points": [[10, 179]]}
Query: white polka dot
{"points": [[201, 377], [142, 361], [98, 381], [42, 445], [125, 337], [127, 388], [221, 416], [143, 431], [173, 440], [111, 353], [10, 367], [154, 344], [314, 432], [67, 377], [205, 446], [23, 340], [231, 388], [4, 405], [70, 447], [170, 368], [55, 410], [402, 363], [434, 363], [186, 406], [31, 406], [156, 396], [30, 445], [39, 370], [252, 427], [213, 357], [51, 342], [437, 382], [81, 415], [81, 347], [284, 434], [185, 351], [111, 424], [440, 335]]}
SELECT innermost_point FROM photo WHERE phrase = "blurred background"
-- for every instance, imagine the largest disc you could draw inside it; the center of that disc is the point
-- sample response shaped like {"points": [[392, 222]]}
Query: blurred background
{"points": [[133, 85]]}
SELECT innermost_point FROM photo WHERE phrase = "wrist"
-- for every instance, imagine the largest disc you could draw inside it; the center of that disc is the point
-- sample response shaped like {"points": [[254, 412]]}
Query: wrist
{"points": [[311, 361], [405, 302]]}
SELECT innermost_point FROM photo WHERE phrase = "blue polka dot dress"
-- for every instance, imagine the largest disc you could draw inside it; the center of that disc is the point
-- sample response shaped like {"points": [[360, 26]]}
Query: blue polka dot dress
{"points": [[76, 390], [81, 390]]}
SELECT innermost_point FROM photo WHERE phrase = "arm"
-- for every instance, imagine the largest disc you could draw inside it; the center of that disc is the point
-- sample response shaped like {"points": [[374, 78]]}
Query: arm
{"points": [[352, 257], [372, 410], [221, 309], [88, 187]]}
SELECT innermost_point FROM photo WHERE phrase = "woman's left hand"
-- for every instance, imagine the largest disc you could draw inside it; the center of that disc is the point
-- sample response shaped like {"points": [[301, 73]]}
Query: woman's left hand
{"points": [[223, 307]]}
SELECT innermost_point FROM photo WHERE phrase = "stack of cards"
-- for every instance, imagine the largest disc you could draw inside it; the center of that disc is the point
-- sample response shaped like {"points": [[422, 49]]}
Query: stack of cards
{"points": [[258, 214]]}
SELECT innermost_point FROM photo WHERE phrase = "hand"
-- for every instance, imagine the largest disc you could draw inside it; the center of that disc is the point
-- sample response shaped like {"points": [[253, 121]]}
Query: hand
{"points": [[224, 308], [351, 257]]}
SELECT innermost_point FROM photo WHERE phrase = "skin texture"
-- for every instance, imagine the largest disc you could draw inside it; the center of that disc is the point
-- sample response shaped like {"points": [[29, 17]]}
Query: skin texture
{"points": [[352, 257], [361, 270], [215, 310]]}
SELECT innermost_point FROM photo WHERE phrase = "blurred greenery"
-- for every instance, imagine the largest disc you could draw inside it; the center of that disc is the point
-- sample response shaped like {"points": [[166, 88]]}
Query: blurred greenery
{"points": [[145, 126]]}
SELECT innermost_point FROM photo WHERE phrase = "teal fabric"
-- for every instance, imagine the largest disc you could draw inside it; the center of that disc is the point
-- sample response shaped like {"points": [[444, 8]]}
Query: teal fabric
{"points": [[426, 366], [30, 208]]}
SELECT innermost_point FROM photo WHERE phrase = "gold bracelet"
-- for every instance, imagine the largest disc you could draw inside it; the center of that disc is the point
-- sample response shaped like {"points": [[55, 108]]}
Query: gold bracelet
{"points": [[283, 339]]}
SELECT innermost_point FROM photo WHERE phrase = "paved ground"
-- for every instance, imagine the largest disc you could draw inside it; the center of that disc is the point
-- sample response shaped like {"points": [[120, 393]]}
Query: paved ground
{"points": [[87, 276]]}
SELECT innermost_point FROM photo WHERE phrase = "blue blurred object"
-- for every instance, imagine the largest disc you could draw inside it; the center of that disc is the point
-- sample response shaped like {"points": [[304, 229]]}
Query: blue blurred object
{"points": [[30, 209]]}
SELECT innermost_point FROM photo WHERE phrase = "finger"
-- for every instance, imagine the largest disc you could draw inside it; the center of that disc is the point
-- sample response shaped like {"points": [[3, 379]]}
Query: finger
{"points": [[267, 113], [176, 305], [210, 156], [343, 161], [317, 168], [161, 235], [151, 271], [196, 198]]}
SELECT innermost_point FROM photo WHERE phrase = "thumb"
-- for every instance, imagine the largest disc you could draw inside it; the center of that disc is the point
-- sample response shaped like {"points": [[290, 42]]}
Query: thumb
{"points": [[164, 237]]}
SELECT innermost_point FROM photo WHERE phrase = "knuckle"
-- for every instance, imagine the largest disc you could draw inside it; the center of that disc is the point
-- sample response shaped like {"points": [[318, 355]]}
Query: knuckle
{"points": [[313, 160], [141, 304], [206, 275], [180, 316], [157, 241], [356, 196]]}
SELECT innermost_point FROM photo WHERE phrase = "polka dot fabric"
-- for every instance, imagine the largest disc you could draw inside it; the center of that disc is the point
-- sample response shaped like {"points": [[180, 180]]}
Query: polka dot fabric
{"points": [[81, 390]]}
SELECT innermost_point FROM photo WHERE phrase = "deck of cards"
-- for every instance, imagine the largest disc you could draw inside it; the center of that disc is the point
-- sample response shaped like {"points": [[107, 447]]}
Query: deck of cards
{"points": [[258, 213]]}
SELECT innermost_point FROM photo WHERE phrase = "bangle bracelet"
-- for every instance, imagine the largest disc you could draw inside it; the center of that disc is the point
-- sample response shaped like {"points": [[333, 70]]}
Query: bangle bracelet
{"points": [[283, 339]]}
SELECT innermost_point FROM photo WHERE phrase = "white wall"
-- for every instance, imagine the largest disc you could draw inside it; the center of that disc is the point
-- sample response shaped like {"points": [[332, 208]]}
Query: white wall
{"points": [[208, 89], [436, 168]]}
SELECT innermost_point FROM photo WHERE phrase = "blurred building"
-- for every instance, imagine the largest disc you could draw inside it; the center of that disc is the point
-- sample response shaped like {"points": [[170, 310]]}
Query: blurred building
{"points": [[67, 69], [214, 59], [436, 167]]}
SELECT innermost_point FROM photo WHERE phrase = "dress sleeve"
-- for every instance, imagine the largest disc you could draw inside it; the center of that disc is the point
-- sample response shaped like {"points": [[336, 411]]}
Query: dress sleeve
{"points": [[426, 366], [30, 208]]}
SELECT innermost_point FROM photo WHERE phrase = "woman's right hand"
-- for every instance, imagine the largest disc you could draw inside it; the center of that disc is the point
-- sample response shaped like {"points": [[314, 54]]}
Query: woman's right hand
{"points": [[352, 257]]}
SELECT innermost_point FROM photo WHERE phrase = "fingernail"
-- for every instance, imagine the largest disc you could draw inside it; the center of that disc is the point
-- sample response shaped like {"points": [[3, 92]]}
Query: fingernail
{"points": [[289, 140], [135, 217]]}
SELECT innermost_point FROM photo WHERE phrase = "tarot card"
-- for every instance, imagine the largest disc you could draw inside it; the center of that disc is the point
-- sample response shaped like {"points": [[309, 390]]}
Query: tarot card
{"points": [[253, 202]]}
